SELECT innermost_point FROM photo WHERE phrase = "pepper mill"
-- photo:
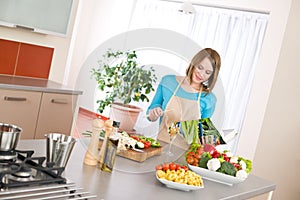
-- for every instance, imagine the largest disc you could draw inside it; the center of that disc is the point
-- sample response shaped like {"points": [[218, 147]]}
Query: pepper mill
{"points": [[91, 156]]}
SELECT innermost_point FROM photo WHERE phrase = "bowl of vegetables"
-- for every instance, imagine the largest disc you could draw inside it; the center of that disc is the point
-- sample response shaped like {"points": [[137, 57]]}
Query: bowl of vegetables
{"points": [[218, 166]]}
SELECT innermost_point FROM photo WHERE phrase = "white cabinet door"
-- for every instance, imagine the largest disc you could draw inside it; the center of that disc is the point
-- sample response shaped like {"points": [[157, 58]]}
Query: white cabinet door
{"points": [[20, 108], [57, 112]]}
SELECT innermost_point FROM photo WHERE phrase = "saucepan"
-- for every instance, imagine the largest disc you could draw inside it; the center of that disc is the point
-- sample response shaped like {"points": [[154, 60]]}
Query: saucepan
{"points": [[59, 148], [9, 136]]}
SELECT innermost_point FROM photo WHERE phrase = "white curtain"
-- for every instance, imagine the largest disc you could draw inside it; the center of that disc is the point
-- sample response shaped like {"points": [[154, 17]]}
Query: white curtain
{"points": [[236, 35]]}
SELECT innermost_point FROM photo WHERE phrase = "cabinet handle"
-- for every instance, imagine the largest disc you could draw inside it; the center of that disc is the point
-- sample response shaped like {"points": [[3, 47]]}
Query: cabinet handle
{"points": [[14, 98], [59, 101]]}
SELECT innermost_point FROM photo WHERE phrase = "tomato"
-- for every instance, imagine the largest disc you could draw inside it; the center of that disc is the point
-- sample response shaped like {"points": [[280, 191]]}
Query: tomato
{"points": [[158, 167], [184, 167], [190, 159], [172, 166], [200, 150], [197, 155], [165, 167], [196, 160]]}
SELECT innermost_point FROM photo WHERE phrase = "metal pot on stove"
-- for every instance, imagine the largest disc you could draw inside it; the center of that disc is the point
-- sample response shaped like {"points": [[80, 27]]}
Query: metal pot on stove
{"points": [[9, 136]]}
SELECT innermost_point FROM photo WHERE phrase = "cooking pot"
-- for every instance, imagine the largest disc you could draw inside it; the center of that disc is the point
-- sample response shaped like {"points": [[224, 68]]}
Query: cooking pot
{"points": [[9, 136]]}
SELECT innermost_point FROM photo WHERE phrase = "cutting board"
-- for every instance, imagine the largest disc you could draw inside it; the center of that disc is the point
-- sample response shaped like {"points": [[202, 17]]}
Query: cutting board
{"points": [[139, 156]]}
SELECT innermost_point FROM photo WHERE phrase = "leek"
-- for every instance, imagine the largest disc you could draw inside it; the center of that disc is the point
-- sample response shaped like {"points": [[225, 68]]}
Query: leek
{"points": [[190, 131]]}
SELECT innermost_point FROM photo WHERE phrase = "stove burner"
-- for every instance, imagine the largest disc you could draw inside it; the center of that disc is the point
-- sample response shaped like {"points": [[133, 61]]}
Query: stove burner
{"points": [[8, 155], [9, 167], [25, 170]]}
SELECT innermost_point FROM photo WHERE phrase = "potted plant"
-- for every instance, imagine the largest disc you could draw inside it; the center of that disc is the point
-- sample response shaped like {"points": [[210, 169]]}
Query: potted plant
{"points": [[123, 81]]}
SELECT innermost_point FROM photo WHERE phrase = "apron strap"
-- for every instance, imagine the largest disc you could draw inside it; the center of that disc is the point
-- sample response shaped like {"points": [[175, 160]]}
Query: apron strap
{"points": [[179, 84]]}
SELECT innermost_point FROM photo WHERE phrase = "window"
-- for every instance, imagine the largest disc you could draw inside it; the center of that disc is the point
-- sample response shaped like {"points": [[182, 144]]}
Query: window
{"points": [[236, 35]]}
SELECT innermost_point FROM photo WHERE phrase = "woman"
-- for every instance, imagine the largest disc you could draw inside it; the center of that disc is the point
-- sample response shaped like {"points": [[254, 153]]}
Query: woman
{"points": [[184, 98]]}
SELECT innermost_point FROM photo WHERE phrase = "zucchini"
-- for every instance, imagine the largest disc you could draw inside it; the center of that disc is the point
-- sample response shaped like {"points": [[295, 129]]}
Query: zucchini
{"points": [[155, 143]]}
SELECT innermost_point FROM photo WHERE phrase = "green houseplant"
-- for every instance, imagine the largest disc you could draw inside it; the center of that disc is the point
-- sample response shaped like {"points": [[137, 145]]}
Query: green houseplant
{"points": [[123, 81]]}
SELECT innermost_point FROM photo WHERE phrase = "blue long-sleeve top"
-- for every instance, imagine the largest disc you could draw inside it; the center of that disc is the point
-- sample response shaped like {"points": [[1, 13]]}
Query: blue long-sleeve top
{"points": [[166, 88]]}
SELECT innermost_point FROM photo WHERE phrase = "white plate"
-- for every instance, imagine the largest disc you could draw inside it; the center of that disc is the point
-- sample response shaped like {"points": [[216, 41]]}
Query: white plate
{"points": [[215, 176], [179, 186]]}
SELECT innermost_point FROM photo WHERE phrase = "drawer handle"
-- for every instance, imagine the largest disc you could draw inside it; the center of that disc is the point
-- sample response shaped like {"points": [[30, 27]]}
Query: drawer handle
{"points": [[14, 98], [59, 101]]}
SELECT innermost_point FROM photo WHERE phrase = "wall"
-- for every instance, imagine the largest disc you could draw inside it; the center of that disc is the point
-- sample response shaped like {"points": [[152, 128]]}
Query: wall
{"points": [[278, 151], [60, 44], [97, 22]]}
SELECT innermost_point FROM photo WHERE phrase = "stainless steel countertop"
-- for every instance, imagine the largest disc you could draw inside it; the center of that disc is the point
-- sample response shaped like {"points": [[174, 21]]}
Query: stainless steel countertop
{"points": [[34, 84], [127, 185]]}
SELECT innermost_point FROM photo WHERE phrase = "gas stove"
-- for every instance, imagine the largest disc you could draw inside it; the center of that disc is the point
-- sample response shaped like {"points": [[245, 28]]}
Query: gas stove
{"points": [[23, 176]]}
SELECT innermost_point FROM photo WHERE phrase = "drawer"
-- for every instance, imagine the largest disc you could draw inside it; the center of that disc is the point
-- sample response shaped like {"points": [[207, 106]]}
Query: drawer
{"points": [[20, 108], [56, 114]]}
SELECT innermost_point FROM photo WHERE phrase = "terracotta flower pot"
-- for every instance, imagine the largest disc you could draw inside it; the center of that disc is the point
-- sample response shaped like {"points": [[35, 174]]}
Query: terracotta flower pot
{"points": [[125, 114]]}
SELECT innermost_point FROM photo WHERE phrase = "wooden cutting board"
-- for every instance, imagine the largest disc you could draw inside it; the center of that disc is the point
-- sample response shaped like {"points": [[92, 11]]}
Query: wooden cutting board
{"points": [[139, 156]]}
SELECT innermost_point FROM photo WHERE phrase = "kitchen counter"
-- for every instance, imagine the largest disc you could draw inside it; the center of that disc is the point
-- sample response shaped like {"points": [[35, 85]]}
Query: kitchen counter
{"points": [[34, 84], [136, 184]]}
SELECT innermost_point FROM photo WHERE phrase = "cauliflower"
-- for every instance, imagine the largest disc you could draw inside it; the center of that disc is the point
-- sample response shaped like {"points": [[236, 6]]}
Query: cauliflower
{"points": [[228, 154], [213, 164], [234, 159], [241, 174], [243, 165]]}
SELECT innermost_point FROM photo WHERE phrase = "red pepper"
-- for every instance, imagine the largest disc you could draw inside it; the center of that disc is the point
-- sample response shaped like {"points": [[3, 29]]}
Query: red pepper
{"points": [[147, 144], [226, 158], [135, 137], [215, 154]]}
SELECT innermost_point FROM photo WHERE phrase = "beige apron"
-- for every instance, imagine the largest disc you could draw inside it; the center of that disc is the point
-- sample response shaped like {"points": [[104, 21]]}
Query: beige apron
{"points": [[178, 109]]}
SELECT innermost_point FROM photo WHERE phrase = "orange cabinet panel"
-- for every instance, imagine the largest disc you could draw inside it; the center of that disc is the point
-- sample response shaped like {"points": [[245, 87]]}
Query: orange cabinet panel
{"points": [[8, 56], [34, 61]]}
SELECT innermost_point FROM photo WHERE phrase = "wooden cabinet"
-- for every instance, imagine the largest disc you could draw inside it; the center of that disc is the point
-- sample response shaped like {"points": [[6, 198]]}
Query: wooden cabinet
{"points": [[56, 114], [20, 108], [38, 113]]}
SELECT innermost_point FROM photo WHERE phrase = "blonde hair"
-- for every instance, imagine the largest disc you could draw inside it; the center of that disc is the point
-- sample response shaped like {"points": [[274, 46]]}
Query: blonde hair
{"points": [[215, 60]]}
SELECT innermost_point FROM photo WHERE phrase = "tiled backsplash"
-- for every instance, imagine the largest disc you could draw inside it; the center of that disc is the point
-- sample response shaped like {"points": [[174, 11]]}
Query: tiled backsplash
{"points": [[21, 59]]}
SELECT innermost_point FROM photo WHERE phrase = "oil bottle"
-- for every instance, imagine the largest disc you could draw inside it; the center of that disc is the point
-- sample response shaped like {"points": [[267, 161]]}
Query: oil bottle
{"points": [[111, 148]]}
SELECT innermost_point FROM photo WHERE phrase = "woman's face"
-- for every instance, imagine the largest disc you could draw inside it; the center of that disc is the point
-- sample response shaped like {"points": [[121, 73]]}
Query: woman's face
{"points": [[202, 71]]}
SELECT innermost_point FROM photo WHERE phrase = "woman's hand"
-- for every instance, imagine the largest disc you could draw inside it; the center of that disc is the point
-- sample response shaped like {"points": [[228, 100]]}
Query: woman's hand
{"points": [[155, 113]]}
